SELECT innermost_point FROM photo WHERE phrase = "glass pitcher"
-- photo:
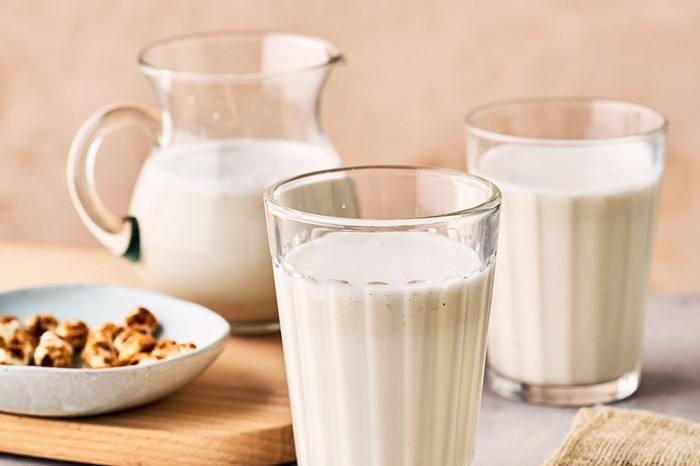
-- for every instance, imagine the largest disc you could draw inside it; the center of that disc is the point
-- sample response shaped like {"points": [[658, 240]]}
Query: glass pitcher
{"points": [[237, 112]]}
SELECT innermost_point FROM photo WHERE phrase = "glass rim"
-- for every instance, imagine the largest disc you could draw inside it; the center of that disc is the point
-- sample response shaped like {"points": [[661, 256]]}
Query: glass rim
{"points": [[273, 206], [150, 68], [477, 130]]}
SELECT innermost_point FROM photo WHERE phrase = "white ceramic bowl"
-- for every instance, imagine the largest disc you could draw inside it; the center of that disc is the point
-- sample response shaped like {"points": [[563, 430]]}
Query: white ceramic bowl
{"points": [[43, 391]]}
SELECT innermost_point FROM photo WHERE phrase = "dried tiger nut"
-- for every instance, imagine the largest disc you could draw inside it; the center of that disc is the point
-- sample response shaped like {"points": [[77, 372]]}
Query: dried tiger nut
{"points": [[141, 359], [140, 316], [8, 326], [37, 324], [164, 344], [105, 331], [53, 351], [74, 332], [7, 358], [99, 354], [133, 340], [18, 350], [167, 348]]}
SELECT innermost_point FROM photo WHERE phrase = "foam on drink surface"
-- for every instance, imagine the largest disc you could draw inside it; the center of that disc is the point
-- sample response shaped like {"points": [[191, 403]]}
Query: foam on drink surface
{"points": [[390, 258], [570, 170], [236, 166]]}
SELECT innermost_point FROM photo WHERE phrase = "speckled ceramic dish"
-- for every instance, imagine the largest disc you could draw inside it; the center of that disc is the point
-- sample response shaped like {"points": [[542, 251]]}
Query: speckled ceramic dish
{"points": [[41, 391]]}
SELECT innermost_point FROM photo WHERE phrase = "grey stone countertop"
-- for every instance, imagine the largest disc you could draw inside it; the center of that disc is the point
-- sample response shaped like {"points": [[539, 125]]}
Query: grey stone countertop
{"points": [[515, 433]]}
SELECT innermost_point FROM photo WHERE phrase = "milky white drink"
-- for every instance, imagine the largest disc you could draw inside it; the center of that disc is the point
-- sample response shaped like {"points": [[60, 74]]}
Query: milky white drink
{"points": [[202, 223], [577, 227], [384, 342]]}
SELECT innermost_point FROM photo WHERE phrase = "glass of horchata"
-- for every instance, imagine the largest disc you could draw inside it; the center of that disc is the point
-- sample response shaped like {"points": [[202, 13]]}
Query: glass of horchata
{"points": [[383, 279], [580, 181]]}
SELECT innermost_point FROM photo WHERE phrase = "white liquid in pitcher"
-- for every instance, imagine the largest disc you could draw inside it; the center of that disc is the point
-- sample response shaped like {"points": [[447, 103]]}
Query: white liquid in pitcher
{"points": [[577, 227], [201, 218], [384, 339]]}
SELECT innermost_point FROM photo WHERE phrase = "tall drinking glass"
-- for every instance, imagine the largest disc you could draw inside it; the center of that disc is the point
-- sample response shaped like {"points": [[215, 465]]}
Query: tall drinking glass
{"points": [[580, 181], [383, 279]]}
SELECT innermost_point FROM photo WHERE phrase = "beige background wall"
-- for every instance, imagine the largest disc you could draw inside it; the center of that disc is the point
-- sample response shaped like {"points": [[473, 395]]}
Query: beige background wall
{"points": [[414, 68]]}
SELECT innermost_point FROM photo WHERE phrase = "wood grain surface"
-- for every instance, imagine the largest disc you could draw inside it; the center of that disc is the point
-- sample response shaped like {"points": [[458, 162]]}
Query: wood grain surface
{"points": [[236, 413]]}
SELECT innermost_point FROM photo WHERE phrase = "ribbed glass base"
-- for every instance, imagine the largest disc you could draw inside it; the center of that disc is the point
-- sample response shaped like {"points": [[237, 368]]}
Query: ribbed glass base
{"points": [[565, 395]]}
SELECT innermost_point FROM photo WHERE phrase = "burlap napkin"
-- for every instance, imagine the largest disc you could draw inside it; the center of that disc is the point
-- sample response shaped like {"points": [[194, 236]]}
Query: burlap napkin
{"points": [[620, 437]]}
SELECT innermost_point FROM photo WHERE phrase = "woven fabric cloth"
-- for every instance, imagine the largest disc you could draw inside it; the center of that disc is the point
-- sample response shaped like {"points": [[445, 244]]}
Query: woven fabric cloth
{"points": [[621, 437]]}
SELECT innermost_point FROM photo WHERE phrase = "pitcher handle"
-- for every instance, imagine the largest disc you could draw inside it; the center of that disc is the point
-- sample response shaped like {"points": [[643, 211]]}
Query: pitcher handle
{"points": [[119, 235]]}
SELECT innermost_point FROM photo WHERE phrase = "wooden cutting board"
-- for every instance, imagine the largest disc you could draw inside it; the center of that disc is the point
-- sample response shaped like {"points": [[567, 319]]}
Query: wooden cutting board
{"points": [[236, 413]]}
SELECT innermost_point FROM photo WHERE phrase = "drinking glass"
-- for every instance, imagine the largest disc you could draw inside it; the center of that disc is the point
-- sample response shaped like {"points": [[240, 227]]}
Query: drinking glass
{"points": [[383, 279], [580, 181]]}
